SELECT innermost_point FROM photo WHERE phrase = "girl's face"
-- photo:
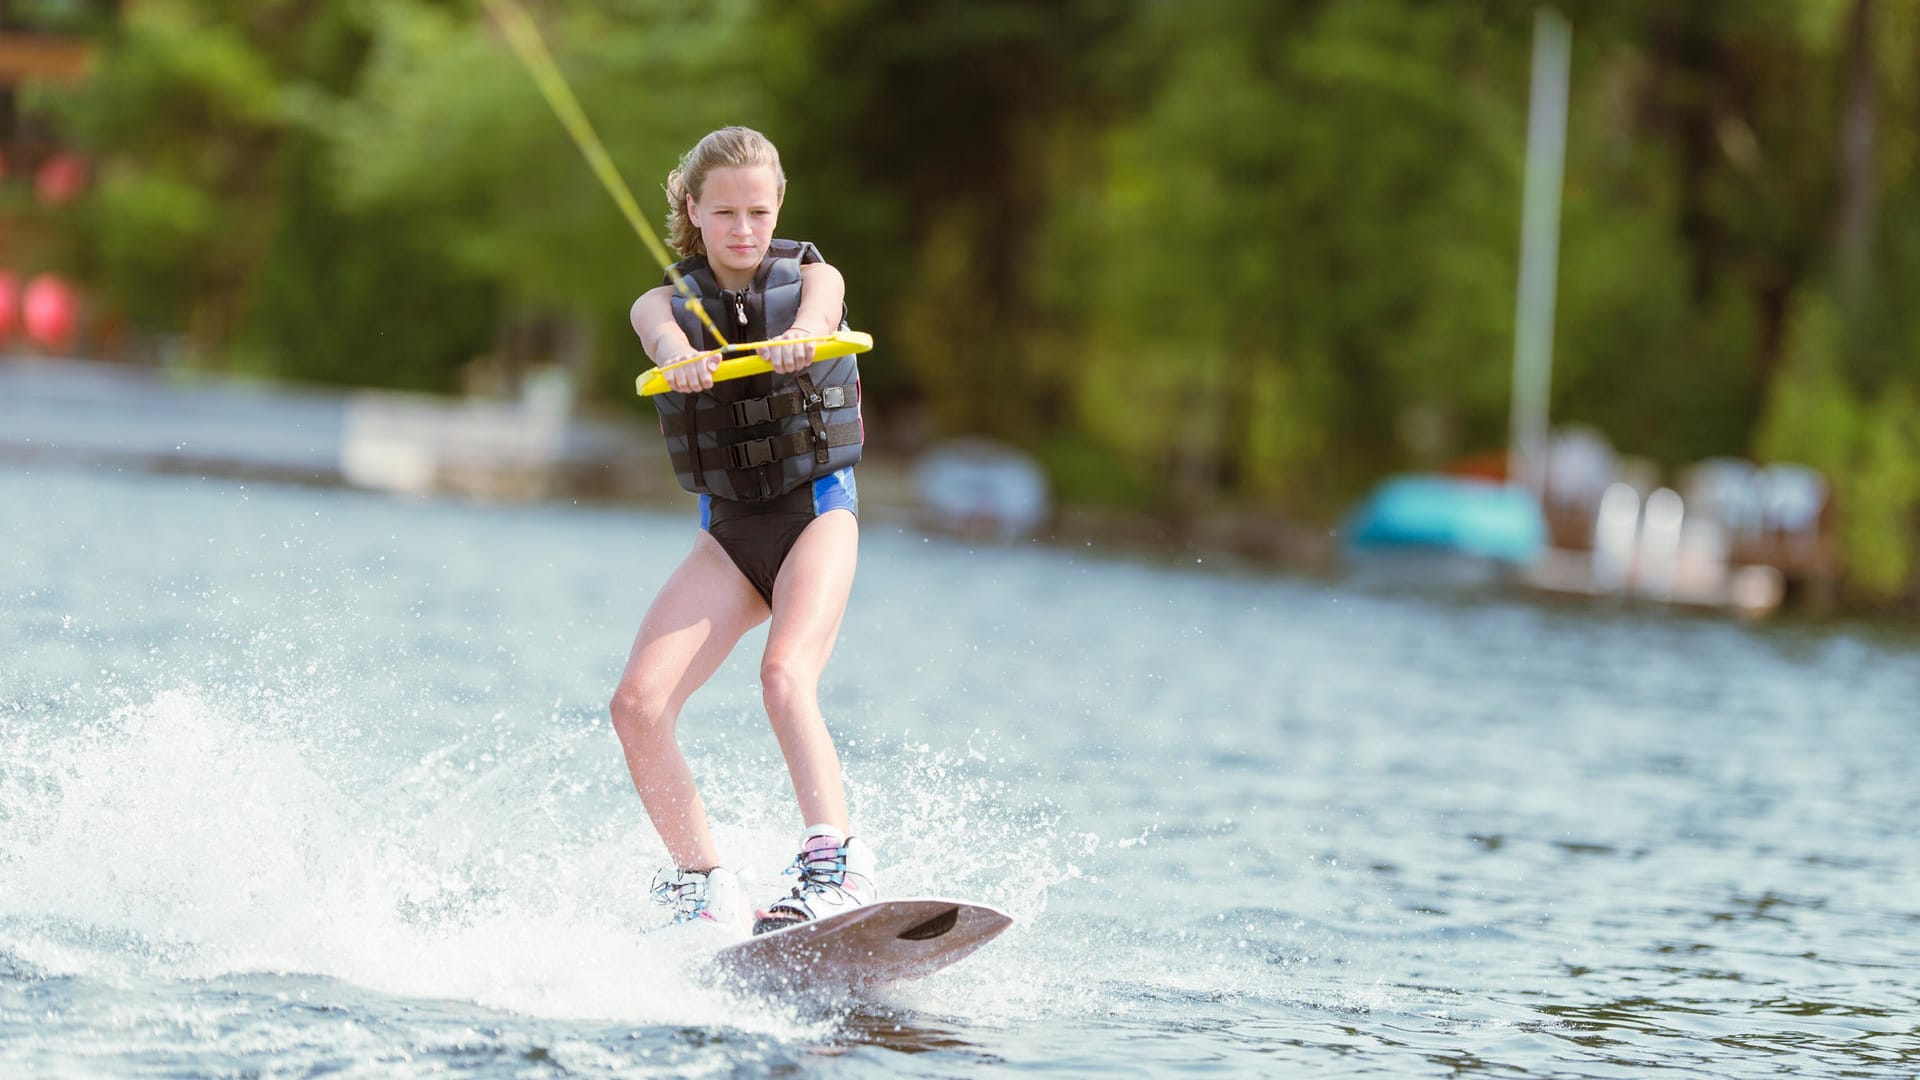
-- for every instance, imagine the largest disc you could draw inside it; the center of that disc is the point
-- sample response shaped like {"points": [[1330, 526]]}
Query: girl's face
{"points": [[736, 211]]}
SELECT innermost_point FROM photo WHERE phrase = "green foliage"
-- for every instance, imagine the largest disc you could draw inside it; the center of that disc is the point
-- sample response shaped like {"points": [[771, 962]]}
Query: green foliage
{"points": [[361, 298], [1095, 476], [930, 144], [341, 191], [445, 129], [62, 16], [180, 123], [1812, 415], [1881, 497], [153, 232], [1189, 252], [1303, 260], [1870, 448]]}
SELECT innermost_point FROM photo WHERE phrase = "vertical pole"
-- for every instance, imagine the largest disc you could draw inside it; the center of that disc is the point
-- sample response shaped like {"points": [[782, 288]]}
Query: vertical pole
{"points": [[1539, 250]]}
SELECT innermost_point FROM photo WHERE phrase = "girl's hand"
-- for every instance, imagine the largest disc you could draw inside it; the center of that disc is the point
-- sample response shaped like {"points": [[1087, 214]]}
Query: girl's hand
{"points": [[689, 378], [788, 359]]}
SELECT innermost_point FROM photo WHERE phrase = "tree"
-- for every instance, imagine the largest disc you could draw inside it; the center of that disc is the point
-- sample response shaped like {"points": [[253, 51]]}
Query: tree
{"points": [[1306, 234]]}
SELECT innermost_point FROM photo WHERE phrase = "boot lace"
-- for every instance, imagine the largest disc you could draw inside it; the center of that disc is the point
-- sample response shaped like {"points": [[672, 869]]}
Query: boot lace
{"points": [[681, 892], [821, 871]]}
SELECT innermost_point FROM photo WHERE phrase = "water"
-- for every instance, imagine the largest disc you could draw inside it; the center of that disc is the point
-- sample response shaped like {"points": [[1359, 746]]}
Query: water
{"points": [[298, 781]]}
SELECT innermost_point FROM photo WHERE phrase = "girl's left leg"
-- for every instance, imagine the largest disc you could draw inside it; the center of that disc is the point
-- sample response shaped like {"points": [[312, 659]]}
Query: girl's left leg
{"points": [[809, 600]]}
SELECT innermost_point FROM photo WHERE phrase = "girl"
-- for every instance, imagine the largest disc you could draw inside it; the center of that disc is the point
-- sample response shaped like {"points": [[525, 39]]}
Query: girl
{"points": [[771, 457]]}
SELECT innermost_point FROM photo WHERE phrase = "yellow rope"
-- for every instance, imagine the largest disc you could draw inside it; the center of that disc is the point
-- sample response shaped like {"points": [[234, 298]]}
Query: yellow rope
{"points": [[528, 46]]}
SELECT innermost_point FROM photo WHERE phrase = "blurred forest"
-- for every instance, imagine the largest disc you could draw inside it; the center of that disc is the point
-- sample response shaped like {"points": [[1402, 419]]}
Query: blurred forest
{"points": [[1192, 254]]}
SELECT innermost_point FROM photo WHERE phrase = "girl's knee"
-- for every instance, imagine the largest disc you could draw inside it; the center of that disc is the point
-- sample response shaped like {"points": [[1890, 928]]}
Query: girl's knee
{"points": [[785, 686], [638, 714]]}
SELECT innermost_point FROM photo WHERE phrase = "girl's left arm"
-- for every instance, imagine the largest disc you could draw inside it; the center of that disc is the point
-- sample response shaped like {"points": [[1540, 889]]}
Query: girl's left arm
{"points": [[823, 298]]}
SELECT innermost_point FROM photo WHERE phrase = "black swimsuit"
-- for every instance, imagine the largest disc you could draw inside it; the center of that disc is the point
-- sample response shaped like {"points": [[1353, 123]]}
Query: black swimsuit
{"points": [[758, 536]]}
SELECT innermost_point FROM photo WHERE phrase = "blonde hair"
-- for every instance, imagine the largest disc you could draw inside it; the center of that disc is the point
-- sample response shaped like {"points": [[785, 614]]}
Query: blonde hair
{"points": [[738, 147]]}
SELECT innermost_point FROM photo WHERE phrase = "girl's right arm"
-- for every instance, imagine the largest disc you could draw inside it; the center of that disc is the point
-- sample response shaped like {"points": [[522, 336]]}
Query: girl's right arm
{"points": [[666, 343]]}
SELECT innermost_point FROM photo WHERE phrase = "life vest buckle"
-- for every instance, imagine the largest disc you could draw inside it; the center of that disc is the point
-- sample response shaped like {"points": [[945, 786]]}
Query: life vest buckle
{"points": [[752, 411], [751, 454]]}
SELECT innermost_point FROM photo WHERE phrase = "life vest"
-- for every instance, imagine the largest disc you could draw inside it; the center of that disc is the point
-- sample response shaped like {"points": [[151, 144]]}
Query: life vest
{"points": [[759, 437]]}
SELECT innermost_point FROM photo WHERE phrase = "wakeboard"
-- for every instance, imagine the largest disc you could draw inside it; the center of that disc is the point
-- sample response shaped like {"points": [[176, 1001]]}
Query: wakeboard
{"points": [[887, 941]]}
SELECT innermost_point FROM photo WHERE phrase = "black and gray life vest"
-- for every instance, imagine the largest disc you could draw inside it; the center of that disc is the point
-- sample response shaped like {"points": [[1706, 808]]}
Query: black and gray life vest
{"points": [[759, 437]]}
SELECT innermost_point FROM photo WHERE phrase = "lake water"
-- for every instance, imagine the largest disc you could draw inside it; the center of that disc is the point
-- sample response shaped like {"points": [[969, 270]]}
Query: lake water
{"points": [[298, 781]]}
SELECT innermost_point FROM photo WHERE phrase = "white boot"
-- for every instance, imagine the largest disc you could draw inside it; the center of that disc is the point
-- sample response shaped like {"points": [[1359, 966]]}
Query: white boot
{"points": [[836, 874], [706, 896]]}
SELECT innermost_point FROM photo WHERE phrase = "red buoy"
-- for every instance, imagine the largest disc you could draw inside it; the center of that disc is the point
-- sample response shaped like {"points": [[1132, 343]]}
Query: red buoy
{"points": [[51, 311]]}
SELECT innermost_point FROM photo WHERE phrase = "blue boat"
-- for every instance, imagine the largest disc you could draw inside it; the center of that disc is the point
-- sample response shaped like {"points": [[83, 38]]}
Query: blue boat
{"points": [[1436, 514]]}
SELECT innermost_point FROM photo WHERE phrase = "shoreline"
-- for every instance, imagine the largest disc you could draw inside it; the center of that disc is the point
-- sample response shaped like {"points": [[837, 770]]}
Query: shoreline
{"points": [[95, 413], [101, 413]]}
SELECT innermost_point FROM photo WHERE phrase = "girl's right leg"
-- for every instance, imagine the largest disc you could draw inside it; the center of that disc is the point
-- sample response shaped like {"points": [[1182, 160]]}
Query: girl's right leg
{"points": [[694, 622]]}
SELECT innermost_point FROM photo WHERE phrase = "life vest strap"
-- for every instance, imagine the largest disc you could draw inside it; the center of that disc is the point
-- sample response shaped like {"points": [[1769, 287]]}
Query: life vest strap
{"points": [[763, 410], [816, 418], [792, 403], [753, 453]]}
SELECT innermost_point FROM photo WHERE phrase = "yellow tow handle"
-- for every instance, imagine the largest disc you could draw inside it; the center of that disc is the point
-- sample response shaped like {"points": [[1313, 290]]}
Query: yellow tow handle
{"points": [[825, 347]]}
